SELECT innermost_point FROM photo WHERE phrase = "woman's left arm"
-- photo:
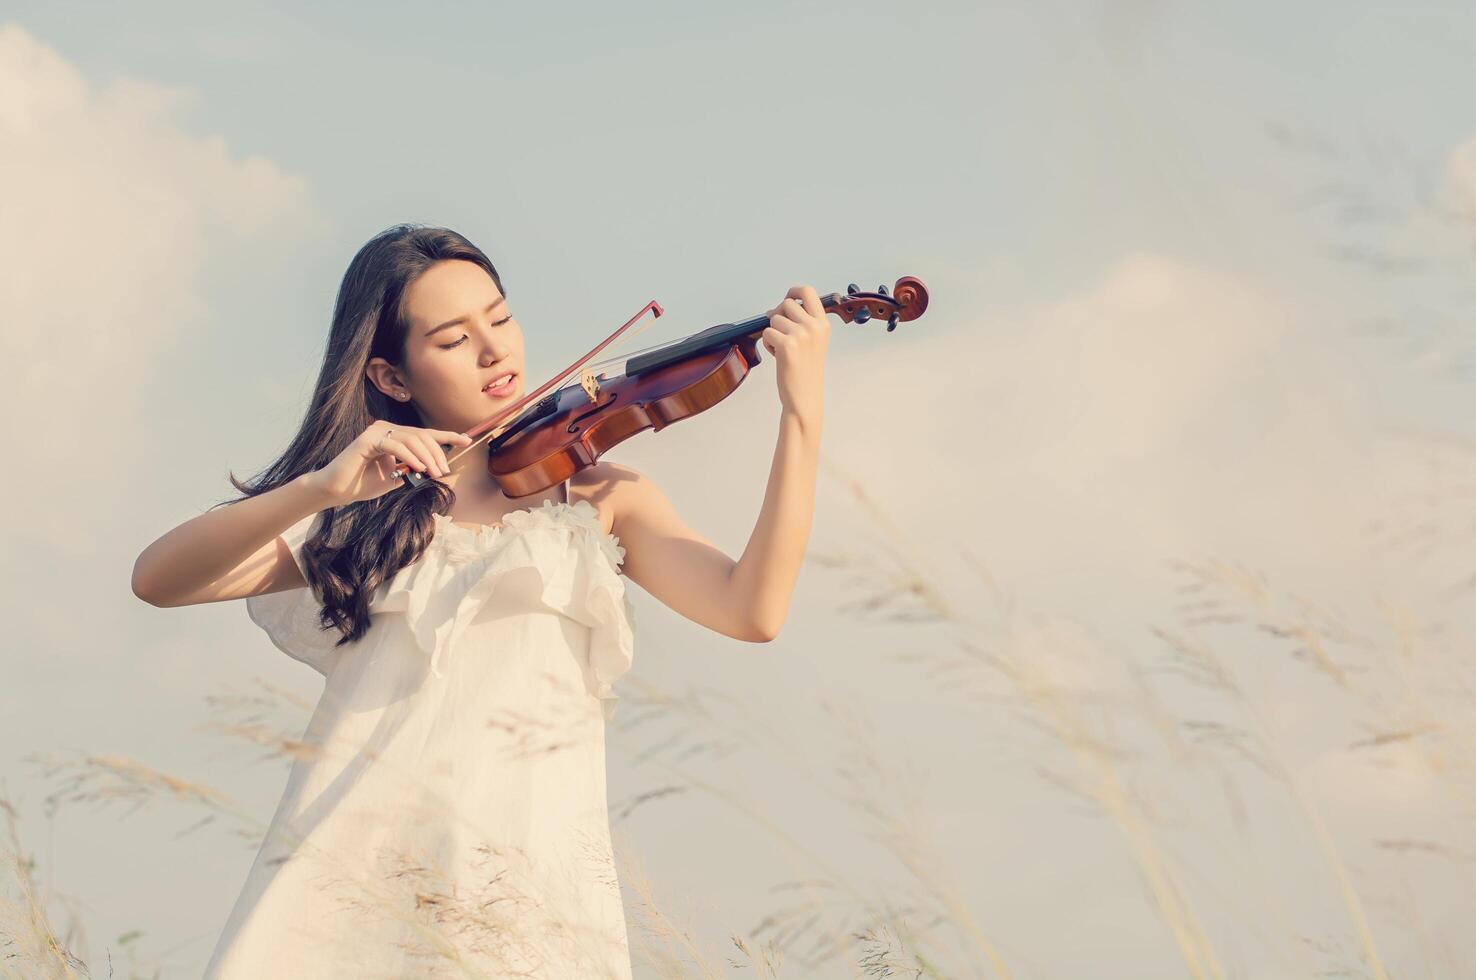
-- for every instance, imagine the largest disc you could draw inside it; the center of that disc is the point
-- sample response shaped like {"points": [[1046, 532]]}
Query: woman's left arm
{"points": [[747, 599]]}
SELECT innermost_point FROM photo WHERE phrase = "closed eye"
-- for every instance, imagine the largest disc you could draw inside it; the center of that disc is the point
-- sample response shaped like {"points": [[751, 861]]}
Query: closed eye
{"points": [[496, 323]]}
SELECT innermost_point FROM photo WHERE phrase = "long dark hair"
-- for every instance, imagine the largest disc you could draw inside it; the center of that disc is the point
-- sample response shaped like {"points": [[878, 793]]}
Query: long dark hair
{"points": [[357, 547]]}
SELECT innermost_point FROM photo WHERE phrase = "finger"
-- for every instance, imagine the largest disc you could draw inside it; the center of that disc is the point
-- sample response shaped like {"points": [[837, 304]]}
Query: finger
{"points": [[450, 441], [430, 450], [394, 447], [792, 309], [376, 432], [806, 294], [420, 443], [452, 438], [772, 339], [783, 324], [439, 453], [440, 456]]}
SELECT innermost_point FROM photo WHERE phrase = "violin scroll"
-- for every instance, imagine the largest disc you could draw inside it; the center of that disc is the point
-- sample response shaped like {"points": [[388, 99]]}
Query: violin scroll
{"points": [[907, 301]]}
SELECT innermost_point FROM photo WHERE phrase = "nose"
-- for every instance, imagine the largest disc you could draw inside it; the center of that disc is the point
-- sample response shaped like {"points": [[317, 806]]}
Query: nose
{"points": [[494, 348]]}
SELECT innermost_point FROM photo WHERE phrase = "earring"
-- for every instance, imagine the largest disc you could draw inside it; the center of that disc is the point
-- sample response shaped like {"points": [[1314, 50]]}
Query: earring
{"points": [[402, 395]]}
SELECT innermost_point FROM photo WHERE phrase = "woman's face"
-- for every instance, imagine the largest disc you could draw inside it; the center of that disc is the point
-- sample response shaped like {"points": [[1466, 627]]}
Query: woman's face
{"points": [[461, 338]]}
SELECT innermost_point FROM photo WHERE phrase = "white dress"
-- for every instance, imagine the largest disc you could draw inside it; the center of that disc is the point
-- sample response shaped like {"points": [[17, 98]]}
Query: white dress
{"points": [[446, 813]]}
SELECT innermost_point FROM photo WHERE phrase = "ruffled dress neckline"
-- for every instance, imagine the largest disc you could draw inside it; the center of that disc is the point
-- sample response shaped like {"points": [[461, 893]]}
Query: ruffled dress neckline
{"points": [[466, 540], [560, 546], [516, 518]]}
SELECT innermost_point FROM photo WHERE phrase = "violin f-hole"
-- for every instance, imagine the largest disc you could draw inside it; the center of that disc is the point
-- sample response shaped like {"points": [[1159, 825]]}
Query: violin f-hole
{"points": [[574, 424]]}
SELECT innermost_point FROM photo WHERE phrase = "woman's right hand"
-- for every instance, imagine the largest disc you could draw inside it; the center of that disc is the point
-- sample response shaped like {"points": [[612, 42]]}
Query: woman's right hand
{"points": [[366, 468]]}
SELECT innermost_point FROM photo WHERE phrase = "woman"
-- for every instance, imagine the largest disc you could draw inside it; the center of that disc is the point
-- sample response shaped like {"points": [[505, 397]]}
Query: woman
{"points": [[446, 812]]}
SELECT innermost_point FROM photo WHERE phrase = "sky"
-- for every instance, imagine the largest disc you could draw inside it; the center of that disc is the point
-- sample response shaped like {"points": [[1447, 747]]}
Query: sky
{"points": [[1183, 445]]}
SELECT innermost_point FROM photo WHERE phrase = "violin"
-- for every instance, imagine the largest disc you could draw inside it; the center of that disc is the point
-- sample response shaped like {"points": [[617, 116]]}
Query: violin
{"points": [[546, 437]]}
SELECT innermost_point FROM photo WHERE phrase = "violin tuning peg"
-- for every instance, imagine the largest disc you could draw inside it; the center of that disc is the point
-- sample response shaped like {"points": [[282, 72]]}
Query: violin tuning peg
{"points": [[853, 289], [862, 315], [882, 289], [892, 323]]}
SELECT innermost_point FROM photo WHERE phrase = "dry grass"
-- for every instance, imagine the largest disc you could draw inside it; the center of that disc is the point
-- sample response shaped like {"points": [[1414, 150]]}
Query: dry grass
{"points": [[509, 922], [30, 947], [824, 917], [1377, 679]]}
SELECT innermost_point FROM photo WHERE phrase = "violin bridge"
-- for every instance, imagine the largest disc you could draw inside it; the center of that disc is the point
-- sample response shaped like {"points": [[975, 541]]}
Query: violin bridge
{"points": [[589, 384]]}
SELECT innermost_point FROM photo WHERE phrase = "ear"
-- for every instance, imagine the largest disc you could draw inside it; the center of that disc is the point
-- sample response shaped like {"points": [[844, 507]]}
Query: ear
{"points": [[387, 378]]}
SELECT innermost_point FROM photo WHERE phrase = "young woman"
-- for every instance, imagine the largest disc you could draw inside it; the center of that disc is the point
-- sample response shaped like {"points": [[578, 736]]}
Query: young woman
{"points": [[446, 810]]}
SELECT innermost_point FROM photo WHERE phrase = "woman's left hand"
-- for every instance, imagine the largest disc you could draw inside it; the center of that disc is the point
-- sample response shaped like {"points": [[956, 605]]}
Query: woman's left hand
{"points": [[797, 336]]}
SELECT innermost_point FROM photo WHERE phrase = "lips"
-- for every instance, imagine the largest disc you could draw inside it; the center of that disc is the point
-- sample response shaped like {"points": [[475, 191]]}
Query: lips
{"points": [[505, 388]]}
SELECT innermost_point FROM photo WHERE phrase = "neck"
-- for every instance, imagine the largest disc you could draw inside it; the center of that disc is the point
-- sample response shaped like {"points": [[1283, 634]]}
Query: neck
{"points": [[471, 481]]}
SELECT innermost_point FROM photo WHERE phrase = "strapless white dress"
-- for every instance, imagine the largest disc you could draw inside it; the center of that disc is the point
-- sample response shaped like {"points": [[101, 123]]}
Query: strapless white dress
{"points": [[446, 814]]}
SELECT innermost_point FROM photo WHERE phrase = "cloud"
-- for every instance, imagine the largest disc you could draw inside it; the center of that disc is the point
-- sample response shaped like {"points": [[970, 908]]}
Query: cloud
{"points": [[1460, 180], [1168, 409], [110, 213]]}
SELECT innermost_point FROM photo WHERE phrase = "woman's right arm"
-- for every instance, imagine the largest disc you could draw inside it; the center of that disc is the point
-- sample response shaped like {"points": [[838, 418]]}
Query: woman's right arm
{"points": [[237, 551], [229, 552]]}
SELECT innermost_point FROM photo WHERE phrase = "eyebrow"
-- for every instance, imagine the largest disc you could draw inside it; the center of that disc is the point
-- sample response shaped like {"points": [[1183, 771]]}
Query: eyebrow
{"points": [[463, 319]]}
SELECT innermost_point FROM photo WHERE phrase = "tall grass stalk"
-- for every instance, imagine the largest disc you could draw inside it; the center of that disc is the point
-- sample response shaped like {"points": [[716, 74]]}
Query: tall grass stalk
{"points": [[1052, 703]]}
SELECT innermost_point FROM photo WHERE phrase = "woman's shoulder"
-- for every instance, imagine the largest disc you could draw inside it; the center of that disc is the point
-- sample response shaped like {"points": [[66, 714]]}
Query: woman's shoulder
{"points": [[610, 488]]}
